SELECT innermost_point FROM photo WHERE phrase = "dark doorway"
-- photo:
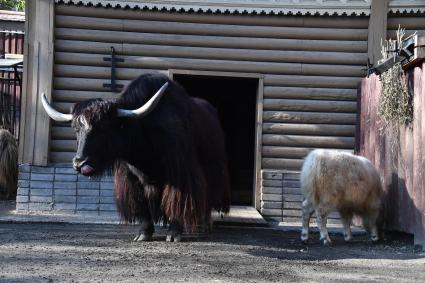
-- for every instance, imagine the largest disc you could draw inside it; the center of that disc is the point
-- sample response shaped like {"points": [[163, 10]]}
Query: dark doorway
{"points": [[235, 99]]}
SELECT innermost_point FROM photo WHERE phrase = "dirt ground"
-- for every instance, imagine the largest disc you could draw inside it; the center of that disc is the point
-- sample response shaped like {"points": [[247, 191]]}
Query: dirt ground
{"points": [[106, 253]]}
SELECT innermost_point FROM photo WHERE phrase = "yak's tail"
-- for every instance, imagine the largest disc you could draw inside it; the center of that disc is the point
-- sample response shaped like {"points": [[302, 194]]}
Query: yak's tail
{"points": [[8, 165]]}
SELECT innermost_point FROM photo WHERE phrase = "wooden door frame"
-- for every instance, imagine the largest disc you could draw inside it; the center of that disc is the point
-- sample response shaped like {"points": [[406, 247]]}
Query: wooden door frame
{"points": [[258, 119]]}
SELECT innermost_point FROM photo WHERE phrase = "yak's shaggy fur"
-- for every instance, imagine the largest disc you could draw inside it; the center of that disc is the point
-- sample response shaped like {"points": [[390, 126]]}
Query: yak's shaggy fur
{"points": [[170, 165], [8, 165], [343, 182]]}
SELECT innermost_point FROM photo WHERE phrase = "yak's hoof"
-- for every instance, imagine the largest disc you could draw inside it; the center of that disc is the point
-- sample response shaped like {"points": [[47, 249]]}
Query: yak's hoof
{"points": [[174, 238], [304, 238], [326, 242], [347, 239], [143, 238], [375, 239]]}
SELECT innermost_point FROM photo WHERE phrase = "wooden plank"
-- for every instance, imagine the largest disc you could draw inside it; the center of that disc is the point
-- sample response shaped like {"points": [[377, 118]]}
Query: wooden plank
{"points": [[308, 57], [309, 129], [310, 105], [211, 65], [62, 132], [63, 145], [310, 93], [410, 23], [93, 72], [37, 79], [117, 38], [292, 198], [308, 21], [311, 81], [83, 84], [291, 152], [258, 142], [31, 60], [291, 205], [308, 141], [309, 117], [211, 29], [61, 157], [377, 29], [281, 163], [76, 96]]}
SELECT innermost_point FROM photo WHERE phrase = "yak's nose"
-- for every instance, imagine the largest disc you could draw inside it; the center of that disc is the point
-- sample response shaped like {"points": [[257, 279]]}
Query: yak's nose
{"points": [[77, 162]]}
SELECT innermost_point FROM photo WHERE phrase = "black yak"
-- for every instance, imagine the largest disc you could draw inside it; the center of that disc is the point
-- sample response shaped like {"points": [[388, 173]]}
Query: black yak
{"points": [[8, 165], [168, 155]]}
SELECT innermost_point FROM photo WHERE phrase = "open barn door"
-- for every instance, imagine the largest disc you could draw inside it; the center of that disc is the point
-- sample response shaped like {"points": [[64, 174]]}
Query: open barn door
{"points": [[235, 99]]}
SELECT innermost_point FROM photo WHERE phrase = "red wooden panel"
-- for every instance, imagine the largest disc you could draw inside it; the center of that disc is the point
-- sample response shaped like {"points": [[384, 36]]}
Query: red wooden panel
{"points": [[402, 172]]}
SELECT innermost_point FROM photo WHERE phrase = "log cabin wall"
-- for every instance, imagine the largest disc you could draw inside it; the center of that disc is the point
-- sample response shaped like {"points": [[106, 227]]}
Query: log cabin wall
{"points": [[311, 67]]}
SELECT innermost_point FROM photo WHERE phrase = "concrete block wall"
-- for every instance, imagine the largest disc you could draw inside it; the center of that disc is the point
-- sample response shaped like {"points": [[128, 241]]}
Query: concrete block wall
{"points": [[59, 189]]}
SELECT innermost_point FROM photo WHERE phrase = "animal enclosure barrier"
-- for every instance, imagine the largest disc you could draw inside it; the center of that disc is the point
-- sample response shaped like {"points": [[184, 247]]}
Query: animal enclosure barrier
{"points": [[11, 44], [400, 166]]}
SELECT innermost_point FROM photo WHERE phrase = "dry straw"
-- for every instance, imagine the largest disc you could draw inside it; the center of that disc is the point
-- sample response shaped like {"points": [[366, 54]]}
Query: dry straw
{"points": [[395, 106]]}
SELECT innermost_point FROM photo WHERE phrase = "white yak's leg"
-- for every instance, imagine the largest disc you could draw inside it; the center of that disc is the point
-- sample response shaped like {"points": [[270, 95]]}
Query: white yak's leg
{"points": [[322, 218], [308, 210], [346, 218]]}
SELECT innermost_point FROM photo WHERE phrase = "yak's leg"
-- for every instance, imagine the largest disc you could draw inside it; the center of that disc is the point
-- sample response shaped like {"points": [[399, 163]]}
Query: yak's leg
{"points": [[146, 224], [322, 218], [208, 223], [146, 231], [369, 222], [308, 211], [174, 232], [346, 218]]}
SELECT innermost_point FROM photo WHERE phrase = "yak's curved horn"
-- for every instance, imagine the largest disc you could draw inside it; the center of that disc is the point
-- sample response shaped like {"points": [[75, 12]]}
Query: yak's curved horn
{"points": [[146, 108], [54, 114]]}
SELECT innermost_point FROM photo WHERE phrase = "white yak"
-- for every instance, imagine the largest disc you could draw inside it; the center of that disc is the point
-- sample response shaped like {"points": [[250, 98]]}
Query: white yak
{"points": [[337, 181]]}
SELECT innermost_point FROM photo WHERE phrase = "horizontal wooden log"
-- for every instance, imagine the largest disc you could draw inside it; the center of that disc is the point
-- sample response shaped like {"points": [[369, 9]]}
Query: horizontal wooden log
{"points": [[309, 129], [62, 133], [63, 145], [211, 65], [309, 117], [393, 33], [61, 157], [307, 21], [311, 81], [292, 191], [118, 38], [289, 152], [292, 198], [271, 204], [308, 57], [76, 96], [64, 107], [308, 141], [310, 105], [291, 205], [412, 23], [281, 163], [91, 72], [310, 93], [210, 29], [83, 84]]}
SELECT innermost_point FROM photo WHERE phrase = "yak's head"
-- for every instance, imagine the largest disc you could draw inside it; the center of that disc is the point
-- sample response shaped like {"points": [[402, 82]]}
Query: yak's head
{"points": [[97, 123]]}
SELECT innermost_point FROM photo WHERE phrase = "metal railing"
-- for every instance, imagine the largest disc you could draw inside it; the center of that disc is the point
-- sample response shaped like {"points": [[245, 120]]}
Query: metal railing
{"points": [[10, 83]]}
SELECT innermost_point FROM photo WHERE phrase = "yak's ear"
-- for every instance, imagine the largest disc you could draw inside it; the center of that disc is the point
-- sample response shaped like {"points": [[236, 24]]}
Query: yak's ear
{"points": [[146, 108]]}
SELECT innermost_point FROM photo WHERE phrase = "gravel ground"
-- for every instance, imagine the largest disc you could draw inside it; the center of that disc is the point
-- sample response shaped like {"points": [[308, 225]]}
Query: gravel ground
{"points": [[106, 253]]}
